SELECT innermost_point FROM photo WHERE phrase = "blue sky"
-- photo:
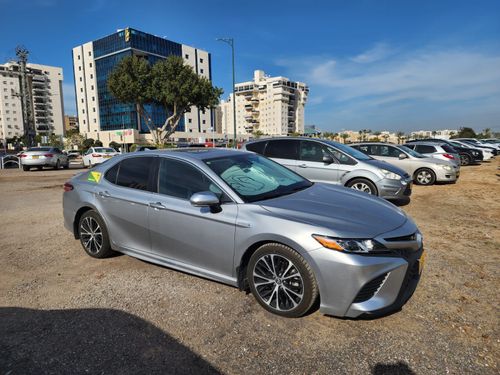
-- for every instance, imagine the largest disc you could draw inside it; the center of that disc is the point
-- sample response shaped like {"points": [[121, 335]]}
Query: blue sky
{"points": [[396, 65]]}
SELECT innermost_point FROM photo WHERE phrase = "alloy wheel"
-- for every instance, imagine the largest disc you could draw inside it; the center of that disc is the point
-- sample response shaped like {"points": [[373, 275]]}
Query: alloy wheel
{"points": [[361, 186], [91, 235], [278, 282], [424, 177]]}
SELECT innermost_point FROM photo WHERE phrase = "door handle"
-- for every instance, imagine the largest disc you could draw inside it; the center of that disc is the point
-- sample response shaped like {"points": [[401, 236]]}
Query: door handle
{"points": [[104, 194], [157, 205], [302, 165]]}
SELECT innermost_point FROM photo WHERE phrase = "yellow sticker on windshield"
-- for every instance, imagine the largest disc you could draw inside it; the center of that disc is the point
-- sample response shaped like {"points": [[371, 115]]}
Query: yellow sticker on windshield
{"points": [[94, 177]]}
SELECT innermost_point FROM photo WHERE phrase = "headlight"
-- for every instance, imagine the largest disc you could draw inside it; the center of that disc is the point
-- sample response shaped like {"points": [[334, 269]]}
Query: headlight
{"points": [[358, 246], [447, 167], [390, 175]]}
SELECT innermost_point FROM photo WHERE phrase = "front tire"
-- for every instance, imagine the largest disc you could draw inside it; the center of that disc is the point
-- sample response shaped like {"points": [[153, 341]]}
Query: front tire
{"points": [[26, 168], [362, 184], [281, 280], [93, 235], [58, 164], [425, 176]]}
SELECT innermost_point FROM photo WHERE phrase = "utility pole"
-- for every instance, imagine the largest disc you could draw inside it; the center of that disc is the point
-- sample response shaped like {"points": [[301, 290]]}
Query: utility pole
{"points": [[29, 131]]}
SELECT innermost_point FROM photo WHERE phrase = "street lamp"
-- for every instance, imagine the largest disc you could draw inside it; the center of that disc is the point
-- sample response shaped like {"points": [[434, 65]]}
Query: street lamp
{"points": [[230, 41]]}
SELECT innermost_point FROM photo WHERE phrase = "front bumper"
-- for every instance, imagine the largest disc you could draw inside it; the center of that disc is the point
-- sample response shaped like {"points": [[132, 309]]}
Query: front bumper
{"points": [[352, 285], [394, 189], [442, 175]]}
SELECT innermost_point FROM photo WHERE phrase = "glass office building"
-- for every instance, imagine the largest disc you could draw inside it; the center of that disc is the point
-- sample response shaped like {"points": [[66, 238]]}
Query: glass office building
{"points": [[99, 111]]}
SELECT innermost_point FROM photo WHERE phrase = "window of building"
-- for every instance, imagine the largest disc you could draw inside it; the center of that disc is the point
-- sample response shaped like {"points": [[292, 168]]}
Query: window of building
{"points": [[93, 98], [201, 60], [90, 65], [81, 79], [90, 53], [203, 121], [91, 76], [93, 109], [92, 87], [201, 71], [79, 57], [82, 100], [186, 56], [81, 89], [80, 68], [190, 121], [83, 122]]}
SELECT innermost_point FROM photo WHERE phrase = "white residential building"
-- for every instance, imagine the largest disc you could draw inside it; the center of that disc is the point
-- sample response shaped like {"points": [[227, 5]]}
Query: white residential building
{"points": [[271, 105], [441, 134], [101, 116], [45, 84]]}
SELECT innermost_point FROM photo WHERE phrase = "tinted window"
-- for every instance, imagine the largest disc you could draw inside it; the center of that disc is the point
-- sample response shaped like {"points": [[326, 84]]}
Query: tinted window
{"points": [[349, 151], [135, 173], [423, 149], [388, 151], [57, 151], [111, 174], [364, 149], [39, 149], [410, 146], [283, 149], [257, 147], [181, 180], [449, 149], [313, 151], [256, 178]]}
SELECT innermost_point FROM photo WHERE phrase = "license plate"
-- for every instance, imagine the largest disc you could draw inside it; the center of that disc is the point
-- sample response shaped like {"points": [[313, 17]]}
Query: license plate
{"points": [[107, 156], [35, 157], [421, 262]]}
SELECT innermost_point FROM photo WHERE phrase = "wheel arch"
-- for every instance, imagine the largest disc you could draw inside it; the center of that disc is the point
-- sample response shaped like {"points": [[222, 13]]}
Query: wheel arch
{"points": [[364, 178], [78, 215]]}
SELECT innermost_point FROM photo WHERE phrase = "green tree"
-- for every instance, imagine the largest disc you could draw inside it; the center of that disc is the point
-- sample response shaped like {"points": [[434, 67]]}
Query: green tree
{"points": [[466, 133], [97, 143], [344, 136], [74, 139], [88, 143], [169, 83], [257, 134], [55, 141], [115, 145]]}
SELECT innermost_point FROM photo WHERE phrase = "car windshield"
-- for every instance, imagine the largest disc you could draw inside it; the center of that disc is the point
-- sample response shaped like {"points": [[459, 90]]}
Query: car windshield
{"points": [[413, 153], [104, 149], [256, 178], [356, 154], [40, 149]]}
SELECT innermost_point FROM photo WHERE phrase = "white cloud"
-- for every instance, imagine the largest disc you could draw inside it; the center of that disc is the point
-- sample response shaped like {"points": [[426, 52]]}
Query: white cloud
{"points": [[378, 52], [445, 83]]}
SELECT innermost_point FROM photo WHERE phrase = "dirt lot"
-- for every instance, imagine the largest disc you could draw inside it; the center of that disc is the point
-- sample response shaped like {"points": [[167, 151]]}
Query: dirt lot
{"points": [[64, 312]]}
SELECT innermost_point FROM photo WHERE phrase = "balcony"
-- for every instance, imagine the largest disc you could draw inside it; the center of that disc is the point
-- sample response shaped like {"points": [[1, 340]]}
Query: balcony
{"points": [[42, 127]]}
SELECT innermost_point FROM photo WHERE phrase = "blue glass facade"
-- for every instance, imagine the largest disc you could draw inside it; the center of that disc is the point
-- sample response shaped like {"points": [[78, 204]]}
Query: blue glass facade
{"points": [[108, 52]]}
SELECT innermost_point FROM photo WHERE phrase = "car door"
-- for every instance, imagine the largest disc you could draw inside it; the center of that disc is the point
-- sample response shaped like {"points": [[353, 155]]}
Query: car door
{"points": [[311, 164], [390, 154], [192, 236], [124, 196], [283, 151]]}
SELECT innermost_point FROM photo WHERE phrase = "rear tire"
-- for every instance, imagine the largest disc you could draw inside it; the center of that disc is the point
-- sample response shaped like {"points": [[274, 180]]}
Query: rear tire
{"points": [[281, 280], [425, 176], [58, 165], [465, 159], [364, 185], [26, 168], [93, 235], [66, 166]]}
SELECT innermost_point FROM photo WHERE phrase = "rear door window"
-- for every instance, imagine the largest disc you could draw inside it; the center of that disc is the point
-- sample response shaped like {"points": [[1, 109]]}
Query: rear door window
{"points": [[136, 173], [449, 149], [425, 149], [313, 151], [257, 147], [283, 149]]}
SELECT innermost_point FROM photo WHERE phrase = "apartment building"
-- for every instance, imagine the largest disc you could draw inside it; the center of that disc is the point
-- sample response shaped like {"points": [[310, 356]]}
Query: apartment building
{"points": [[271, 105], [70, 123], [442, 134], [101, 116], [46, 97]]}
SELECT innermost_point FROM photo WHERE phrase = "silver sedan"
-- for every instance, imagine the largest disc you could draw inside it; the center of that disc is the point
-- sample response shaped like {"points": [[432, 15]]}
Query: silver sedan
{"points": [[39, 157], [244, 220]]}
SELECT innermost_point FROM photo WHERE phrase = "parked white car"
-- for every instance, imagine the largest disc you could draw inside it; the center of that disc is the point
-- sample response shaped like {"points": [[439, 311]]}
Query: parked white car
{"points": [[97, 155]]}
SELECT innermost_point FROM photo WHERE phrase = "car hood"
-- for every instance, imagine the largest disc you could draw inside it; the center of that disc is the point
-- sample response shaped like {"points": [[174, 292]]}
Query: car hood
{"points": [[347, 213], [385, 165]]}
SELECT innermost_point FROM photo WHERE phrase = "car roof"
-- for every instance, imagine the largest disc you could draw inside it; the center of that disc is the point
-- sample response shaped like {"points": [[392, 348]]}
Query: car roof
{"points": [[423, 143], [195, 153], [374, 143]]}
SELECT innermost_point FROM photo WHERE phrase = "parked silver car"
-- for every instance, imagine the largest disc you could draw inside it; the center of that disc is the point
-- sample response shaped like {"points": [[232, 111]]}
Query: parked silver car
{"points": [[326, 161], [435, 150], [425, 170], [244, 220], [39, 157]]}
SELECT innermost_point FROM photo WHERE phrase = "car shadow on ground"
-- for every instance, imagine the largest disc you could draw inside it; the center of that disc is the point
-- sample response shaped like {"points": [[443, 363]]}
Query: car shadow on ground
{"points": [[401, 201], [399, 368], [90, 341]]}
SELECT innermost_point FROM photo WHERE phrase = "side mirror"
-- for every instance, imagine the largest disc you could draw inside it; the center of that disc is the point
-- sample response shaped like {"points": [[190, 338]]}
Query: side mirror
{"points": [[403, 155], [327, 159], [206, 199]]}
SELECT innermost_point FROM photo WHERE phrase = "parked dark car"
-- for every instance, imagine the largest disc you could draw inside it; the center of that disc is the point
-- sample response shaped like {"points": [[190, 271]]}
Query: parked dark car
{"points": [[467, 155]]}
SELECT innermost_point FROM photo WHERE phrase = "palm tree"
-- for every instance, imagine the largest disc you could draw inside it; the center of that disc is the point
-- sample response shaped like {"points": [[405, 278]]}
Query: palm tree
{"points": [[385, 136], [344, 136], [400, 136]]}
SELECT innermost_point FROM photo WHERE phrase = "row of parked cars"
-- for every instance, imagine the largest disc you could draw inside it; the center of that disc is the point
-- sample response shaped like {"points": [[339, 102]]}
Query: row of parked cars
{"points": [[382, 169], [263, 226]]}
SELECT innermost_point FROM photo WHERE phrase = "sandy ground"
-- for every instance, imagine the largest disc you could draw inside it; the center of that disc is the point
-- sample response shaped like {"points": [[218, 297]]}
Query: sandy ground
{"points": [[64, 312]]}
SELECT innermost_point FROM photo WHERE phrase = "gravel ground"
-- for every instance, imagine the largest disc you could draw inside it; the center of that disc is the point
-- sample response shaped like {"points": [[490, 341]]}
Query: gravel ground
{"points": [[64, 312]]}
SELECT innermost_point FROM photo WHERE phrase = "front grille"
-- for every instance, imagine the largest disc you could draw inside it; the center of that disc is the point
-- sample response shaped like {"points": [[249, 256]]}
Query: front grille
{"points": [[370, 288], [409, 237]]}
